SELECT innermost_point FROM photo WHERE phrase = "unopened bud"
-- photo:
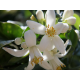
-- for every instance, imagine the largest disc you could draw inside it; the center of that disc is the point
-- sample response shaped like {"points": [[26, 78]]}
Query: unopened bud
{"points": [[67, 13], [23, 45], [18, 41], [40, 15], [71, 20], [33, 18]]}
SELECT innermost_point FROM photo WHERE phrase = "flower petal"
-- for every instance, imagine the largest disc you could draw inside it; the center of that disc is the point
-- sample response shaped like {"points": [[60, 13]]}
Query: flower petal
{"points": [[45, 43], [65, 28], [50, 18], [40, 15], [58, 27], [36, 27], [59, 44], [45, 65], [37, 52], [71, 20], [67, 13], [30, 38], [48, 56], [15, 52], [61, 28], [29, 67], [62, 55]]}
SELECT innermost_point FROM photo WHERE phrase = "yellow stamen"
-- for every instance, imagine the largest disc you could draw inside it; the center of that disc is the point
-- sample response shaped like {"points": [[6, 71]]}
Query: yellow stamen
{"points": [[63, 65], [50, 31], [59, 68], [36, 60]]}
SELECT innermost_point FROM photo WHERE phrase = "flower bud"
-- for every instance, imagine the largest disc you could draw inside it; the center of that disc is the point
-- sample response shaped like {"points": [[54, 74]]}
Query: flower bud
{"points": [[23, 45], [33, 18], [71, 20], [67, 13], [18, 41], [40, 15]]}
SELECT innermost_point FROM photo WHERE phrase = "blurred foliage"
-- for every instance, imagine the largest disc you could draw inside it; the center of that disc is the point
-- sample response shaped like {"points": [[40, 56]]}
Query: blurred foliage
{"points": [[77, 21], [9, 31]]}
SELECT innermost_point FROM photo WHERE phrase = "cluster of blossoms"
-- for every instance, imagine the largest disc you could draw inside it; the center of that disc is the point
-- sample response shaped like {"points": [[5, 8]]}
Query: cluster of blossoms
{"points": [[52, 46]]}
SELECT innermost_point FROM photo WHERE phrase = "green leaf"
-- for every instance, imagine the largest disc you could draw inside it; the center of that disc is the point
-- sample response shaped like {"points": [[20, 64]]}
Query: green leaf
{"points": [[10, 31], [25, 31], [77, 21], [73, 37], [62, 36], [27, 13], [4, 57], [33, 12], [16, 59], [21, 67]]}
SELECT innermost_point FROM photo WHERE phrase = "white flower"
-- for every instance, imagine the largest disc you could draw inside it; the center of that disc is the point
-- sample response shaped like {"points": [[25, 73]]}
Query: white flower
{"points": [[50, 32], [53, 57], [34, 53], [68, 17], [44, 64]]}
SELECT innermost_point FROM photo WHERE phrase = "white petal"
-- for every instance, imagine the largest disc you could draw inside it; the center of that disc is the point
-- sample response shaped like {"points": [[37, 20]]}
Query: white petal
{"points": [[17, 53], [50, 18], [45, 43], [58, 11], [59, 44], [40, 15], [62, 55], [57, 61], [67, 13], [30, 38], [65, 28], [53, 64], [34, 51], [29, 67], [37, 52], [45, 65], [48, 55], [58, 27], [36, 27], [71, 20]]}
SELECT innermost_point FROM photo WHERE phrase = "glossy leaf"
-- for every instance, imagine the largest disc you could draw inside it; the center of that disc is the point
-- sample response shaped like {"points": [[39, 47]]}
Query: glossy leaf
{"points": [[16, 59], [27, 13], [77, 21], [73, 37], [10, 31]]}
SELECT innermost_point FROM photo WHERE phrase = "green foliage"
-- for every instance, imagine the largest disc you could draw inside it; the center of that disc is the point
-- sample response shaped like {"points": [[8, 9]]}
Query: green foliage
{"points": [[10, 31], [73, 37], [27, 13], [77, 21]]}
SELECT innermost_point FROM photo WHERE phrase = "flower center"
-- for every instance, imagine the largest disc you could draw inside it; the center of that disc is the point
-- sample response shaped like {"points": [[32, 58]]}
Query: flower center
{"points": [[50, 31], [36, 60], [60, 67]]}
